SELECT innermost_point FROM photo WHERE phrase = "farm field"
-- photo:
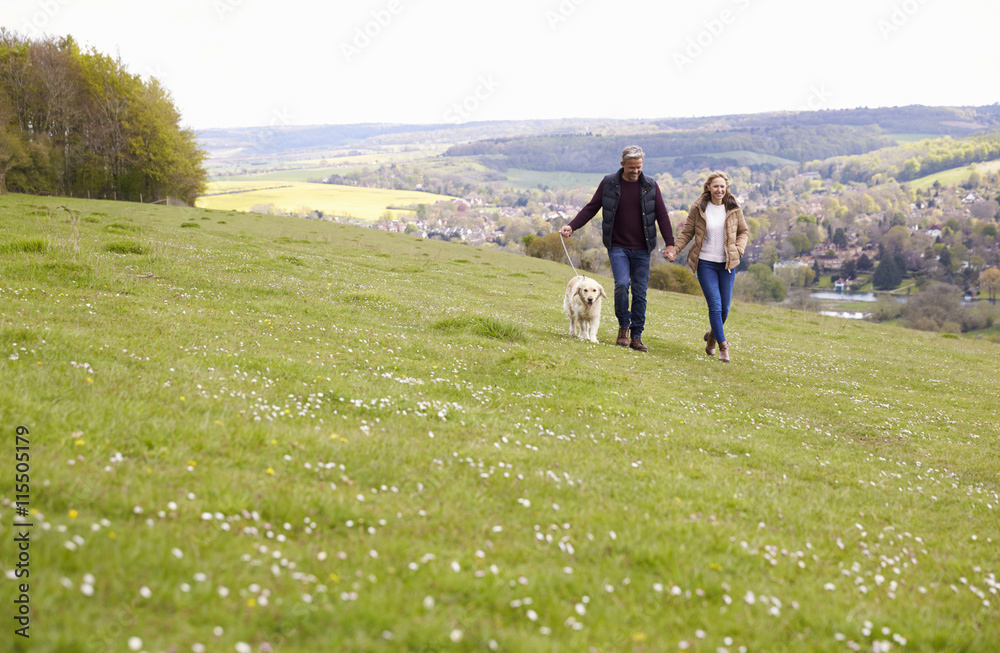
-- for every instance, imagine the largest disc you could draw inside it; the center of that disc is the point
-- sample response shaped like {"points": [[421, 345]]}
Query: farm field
{"points": [[304, 174], [376, 158], [347, 201], [955, 175], [255, 433], [333, 161]]}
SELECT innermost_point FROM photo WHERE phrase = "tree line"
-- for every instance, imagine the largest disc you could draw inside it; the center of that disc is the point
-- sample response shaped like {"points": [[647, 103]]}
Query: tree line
{"points": [[675, 152], [77, 123], [909, 161], [912, 119]]}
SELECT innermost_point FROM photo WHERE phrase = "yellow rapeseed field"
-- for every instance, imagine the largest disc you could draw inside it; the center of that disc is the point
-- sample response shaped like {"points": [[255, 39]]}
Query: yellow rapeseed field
{"points": [[347, 201]]}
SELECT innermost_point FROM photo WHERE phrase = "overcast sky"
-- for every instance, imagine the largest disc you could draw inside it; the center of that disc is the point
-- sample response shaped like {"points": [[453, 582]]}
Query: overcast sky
{"points": [[254, 62]]}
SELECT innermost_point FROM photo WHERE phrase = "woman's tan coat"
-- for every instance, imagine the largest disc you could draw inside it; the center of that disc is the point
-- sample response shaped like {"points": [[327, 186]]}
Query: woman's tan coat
{"points": [[736, 237]]}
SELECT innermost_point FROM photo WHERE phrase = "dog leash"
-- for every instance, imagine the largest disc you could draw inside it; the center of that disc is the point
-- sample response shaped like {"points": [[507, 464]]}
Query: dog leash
{"points": [[563, 241]]}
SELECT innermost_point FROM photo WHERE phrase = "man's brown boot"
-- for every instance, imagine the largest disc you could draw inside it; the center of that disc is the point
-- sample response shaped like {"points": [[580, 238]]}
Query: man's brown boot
{"points": [[637, 345], [710, 347], [622, 337]]}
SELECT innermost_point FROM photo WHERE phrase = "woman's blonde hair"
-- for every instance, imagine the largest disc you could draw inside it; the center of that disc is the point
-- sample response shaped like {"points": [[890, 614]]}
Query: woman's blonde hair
{"points": [[717, 174]]}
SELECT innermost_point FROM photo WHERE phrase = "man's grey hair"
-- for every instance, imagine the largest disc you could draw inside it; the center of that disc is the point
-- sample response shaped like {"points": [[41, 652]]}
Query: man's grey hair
{"points": [[633, 152]]}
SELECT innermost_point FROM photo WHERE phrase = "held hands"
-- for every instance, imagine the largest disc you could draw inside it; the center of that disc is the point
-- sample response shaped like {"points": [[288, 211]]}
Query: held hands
{"points": [[566, 231], [670, 253]]}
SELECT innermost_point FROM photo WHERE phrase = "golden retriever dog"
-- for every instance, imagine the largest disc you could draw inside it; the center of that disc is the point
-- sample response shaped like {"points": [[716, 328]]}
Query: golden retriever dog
{"points": [[582, 304]]}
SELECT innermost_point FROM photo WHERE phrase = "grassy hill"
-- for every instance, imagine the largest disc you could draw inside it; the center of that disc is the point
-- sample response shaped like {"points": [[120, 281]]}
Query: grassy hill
{"points": [[255, 433], [955, 176]]}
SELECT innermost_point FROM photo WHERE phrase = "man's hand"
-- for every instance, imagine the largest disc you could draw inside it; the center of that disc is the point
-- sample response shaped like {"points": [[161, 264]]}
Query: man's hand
{"points": [[566, 231], [670, 252]]}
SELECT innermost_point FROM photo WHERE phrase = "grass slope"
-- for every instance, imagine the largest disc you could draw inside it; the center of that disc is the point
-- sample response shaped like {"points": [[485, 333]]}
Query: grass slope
{"points": [[955, 176], [250, 433]]}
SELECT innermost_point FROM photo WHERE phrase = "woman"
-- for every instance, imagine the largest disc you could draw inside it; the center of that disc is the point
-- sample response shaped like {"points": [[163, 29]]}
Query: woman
{"points": [[719, 231]]}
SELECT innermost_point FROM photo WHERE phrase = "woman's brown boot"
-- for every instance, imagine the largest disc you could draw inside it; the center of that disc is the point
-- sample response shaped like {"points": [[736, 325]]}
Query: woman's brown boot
{"points": [[710, 347], [723, 352]]}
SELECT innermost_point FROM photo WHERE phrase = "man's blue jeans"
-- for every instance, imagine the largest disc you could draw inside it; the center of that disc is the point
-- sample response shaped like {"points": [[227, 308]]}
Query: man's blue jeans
{"points": [[717, 285], [630, 268]]}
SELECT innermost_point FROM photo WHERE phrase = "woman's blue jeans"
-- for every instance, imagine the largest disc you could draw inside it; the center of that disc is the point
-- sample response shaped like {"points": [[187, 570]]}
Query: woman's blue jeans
{"points": [[717, 286], [630, 268]]}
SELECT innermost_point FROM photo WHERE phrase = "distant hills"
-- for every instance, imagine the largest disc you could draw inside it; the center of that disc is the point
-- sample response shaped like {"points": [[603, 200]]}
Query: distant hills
{"points": [[585, 145]]}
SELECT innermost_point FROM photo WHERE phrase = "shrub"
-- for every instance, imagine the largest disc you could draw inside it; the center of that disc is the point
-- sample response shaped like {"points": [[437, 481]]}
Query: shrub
{"points": [[758, 284], [25, 246], [126, 247], [548, 247], [122, 228], [924, 324], [937, 304], [674, 278], [801, 300], [951, 327], [886, 308], [982, 316], [488, 327]]}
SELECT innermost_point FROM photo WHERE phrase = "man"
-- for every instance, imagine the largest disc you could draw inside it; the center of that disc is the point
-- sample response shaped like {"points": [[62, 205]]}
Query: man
{"points": [[631, 206]]}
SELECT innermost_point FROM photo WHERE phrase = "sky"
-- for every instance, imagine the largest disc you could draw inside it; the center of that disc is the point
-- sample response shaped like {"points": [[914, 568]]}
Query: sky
{"points": [[242, 63]]}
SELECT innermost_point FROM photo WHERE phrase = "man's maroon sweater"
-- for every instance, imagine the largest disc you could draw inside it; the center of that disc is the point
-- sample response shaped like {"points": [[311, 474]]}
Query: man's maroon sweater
{"points": [[627, 232]]}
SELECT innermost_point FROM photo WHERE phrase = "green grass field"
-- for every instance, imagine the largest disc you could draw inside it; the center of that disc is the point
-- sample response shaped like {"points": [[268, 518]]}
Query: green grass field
{"points": [[528, 179], [253, 433], [350, 201], [954, 176]]}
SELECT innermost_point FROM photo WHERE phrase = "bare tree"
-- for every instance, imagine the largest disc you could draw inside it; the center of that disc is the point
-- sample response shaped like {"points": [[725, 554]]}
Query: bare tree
{"points": [[985, 210]]}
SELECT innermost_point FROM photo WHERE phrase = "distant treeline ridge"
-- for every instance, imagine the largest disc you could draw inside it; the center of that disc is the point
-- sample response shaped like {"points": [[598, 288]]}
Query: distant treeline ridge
{"points": [[911, 160], [674, 152]]}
